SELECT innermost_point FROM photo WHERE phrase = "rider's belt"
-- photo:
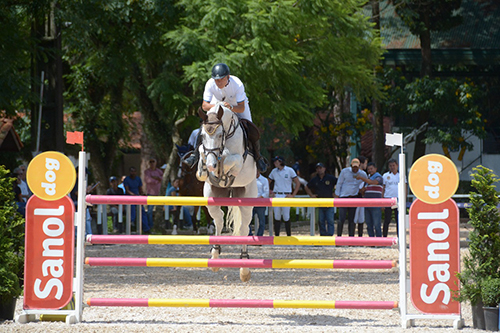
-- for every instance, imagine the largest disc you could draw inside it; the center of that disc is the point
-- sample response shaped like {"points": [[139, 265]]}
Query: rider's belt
{"points": [[283, 192]]}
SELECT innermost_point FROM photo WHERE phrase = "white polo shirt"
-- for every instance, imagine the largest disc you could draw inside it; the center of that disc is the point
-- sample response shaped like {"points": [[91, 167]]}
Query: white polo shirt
{"points": [[233, 93], [283, 179], [391, 182]]}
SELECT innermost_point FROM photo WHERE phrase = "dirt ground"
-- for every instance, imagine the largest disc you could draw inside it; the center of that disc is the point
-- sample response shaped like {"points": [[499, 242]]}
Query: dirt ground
{"points": [[290, 284]]}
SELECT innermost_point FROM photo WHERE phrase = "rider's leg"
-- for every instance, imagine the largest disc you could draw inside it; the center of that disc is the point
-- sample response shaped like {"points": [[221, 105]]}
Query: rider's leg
{"points": [[254, 136], [195, 156]]}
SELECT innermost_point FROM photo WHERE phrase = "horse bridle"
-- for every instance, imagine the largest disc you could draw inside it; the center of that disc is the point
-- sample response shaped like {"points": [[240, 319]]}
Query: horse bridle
{"points": [[217, 152]]}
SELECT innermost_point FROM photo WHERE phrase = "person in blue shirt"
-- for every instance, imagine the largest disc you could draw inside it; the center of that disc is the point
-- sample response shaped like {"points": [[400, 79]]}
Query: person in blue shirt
{"points": [[373, 189], [322, 186], [348, 187], [133, 186], [175, 210], [262, 192]]}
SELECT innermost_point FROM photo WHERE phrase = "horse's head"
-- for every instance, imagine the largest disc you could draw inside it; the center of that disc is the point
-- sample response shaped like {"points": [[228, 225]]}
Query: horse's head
{"points": [[213, 136]]}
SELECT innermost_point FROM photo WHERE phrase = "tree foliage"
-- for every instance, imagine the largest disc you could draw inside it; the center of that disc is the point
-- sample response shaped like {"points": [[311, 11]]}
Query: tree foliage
{"points": [[155, 56], [330, 140], [11, 239], [290, 54], [483, 260], [16, 45], [452, 105], [422, 17]]}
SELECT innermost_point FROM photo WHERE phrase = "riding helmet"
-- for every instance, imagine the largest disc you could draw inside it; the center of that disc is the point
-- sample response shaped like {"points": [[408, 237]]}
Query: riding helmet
{"points": [[220, 71], [278, 158]]}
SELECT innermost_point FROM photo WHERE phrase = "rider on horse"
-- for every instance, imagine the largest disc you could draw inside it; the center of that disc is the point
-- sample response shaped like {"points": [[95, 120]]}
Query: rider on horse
{"points": [[228, 89]]}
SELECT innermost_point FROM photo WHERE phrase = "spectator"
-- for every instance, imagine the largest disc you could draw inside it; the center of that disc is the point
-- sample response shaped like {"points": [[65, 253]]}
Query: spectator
{"points": [[25, 190], [296, 166], [374, 189], [74, 196], [133, 186], [18, 197], [322, 186], [153, 177], [348, 187], [359, 217], [175, 210], [121, 184], [193, 138], [115, 190], [391, 182], [262, 192], [283, 177]]}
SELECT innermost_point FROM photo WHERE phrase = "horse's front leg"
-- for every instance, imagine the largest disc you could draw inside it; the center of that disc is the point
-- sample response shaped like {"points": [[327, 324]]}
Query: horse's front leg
{"points": [[201, 172], [218, 216], [233, 164], [246, 218]]}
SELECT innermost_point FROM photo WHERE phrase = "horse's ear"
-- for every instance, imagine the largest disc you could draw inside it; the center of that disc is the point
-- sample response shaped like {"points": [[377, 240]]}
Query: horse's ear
{"points": [[220, 113], [202, 114]]}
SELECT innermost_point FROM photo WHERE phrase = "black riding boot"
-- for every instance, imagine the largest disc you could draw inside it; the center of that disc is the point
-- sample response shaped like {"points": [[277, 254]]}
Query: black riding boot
{"points": [[195, 156], [261, 161], [253, 135]]}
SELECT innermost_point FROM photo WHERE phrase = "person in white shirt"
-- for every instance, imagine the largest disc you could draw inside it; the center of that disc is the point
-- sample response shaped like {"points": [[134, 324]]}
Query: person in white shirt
{"points": [[348, 187], [25, 192], [391, 182], [262, 192], [193, 138], [283, 177], [229, 89]]}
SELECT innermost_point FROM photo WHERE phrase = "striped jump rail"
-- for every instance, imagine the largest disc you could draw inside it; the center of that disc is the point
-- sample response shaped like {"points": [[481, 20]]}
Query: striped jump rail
{"points": [[242, 240], [239, 263], [242, 303], [253, 202]]}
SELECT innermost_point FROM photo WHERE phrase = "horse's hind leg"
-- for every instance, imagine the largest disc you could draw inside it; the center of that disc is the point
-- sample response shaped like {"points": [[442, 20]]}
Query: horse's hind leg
{"points": [[246, 217], [244, 271]]}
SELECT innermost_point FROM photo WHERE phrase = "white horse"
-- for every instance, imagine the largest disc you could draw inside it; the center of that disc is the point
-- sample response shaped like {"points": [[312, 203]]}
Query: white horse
{"points": [[228, 171]]}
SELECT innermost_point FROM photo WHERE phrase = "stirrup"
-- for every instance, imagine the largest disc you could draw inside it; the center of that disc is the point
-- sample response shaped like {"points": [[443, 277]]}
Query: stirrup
{"points": [[190, 161], [262, 165]]}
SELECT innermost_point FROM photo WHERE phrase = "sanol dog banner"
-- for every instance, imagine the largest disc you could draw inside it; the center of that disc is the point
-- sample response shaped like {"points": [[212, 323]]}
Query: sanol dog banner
{"points": [[434, 235]]}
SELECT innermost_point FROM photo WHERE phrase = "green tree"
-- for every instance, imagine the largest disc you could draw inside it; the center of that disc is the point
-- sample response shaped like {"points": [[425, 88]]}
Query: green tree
{"points": [[329, 141], [15, 56], [483, 260], [291, 55], [422, 17], [120, 64], [11, 240], [452, 104]]}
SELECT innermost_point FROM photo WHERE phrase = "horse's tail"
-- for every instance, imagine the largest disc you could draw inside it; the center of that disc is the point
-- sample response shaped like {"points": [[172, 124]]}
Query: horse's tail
{"points": [[234, 219]]}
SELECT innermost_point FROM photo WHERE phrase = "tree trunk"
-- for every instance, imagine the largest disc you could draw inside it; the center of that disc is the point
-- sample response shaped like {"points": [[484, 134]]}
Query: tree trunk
{"points": [[47, 58], [426, 70], [378, 149], [152, 124], [147, 152]]}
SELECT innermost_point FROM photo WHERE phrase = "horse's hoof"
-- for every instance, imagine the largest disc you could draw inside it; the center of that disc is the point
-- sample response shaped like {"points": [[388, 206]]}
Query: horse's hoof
{"points": [[245, 276], [215, 255]]}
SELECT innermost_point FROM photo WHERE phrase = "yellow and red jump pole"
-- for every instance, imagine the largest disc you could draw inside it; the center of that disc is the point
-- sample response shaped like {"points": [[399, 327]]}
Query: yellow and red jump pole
{"points": [[239, 263], [252, 202], [241, 303]]}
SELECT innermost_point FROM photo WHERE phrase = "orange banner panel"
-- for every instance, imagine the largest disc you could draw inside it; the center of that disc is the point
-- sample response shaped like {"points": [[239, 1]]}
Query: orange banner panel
{"points": [[434, 256], [48, 271]]}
